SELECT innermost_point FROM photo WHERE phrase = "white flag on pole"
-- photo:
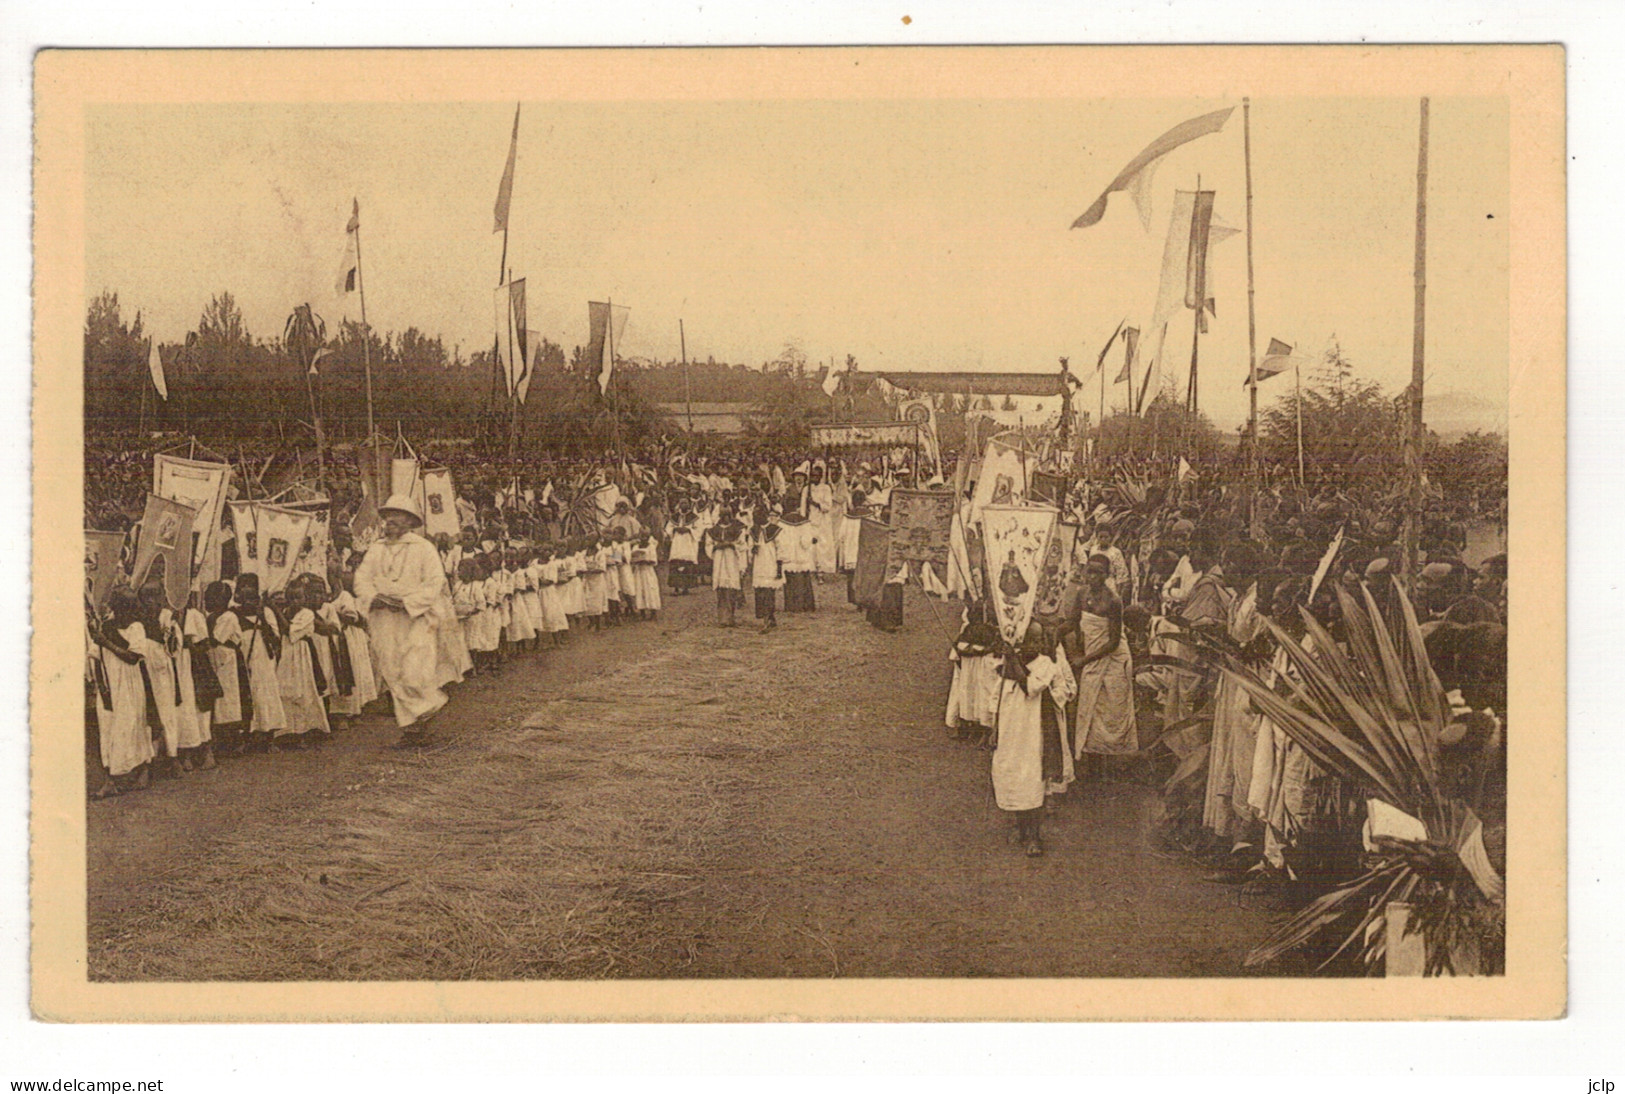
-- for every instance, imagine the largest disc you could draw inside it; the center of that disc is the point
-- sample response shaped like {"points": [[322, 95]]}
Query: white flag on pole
{"points": [[155, 363]]}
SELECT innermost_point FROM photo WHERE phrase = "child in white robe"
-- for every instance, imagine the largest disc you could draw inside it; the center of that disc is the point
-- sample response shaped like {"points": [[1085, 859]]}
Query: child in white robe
{"points": [[645, 578], [178, 718], [261, 646], [1031, 703], [187, 635], [225, 653], [555, 620], [974, 691], [121, 693], [596, 586], [531, 594], [766, 578], [297, 674], [353, 627]]}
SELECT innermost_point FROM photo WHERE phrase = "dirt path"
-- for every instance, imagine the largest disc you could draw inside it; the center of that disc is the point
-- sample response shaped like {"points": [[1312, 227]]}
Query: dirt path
{"points": [[662, 800]]}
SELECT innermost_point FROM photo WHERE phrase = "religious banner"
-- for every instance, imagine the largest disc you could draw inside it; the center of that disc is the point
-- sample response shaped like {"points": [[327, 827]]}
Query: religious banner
{"points": [[166, 535], [922, 527], [202, 487], [975, 558], [874, 548], [312, 557], [440, 504], [1015, 538], [923, 414], [1048, 488], [242, 527], [101, 564], [1002, 480], [1057, 567], [864, 435], [280, 533], [405, 478]]}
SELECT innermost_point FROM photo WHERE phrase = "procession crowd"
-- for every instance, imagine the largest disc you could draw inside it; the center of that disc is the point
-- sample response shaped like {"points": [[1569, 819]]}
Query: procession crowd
{"points": [[1119, 668], [397, 618], [1105, 676]]}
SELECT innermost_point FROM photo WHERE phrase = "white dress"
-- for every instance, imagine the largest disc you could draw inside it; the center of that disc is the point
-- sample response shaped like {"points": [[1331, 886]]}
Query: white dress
{"points": [[121, 714], [227, 634], [645, 579], [263, 687]]}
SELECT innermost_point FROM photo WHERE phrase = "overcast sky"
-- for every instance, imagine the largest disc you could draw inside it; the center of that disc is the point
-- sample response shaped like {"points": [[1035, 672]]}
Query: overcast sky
{"points": [[911, 234]]}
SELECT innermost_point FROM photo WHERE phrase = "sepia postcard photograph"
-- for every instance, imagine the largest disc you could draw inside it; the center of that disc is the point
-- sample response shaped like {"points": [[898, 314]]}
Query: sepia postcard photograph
{"points": [[842, 533]]}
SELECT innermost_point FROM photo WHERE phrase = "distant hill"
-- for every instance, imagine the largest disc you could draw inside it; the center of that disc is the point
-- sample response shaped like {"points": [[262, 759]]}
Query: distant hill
{"points": [[1451, 414]]}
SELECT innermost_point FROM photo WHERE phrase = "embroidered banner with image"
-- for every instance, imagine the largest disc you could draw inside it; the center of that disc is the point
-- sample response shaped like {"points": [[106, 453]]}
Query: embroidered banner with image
{"points": [[922, 527], [1015, 538], [440, 504], [1057, 566], [200, 486], [166, 534]]}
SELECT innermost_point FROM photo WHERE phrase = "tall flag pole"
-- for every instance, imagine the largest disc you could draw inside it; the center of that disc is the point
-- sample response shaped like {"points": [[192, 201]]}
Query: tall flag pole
{"points": [[500, 378], [1418, 342], [688, 395], [354, 229], [1252, 336]]}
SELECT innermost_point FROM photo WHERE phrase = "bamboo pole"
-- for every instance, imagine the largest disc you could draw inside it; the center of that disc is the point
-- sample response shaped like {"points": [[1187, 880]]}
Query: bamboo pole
{"points": [[366, 331], [1418, 345], [1252, 335], [688, 393]]}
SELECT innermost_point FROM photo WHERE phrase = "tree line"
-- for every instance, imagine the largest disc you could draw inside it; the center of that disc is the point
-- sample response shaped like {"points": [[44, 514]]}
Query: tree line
{"points": [[227, 385]]}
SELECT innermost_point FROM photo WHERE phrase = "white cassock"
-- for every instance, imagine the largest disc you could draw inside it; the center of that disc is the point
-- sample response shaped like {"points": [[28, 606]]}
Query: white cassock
{"points": [[1018, 762], [822, 516], [406, 645]]}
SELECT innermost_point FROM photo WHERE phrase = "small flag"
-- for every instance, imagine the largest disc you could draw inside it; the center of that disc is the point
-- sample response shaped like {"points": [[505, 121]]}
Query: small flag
{"points": [[1137, 176], [1185, 470], [155, 364], [1277, 359], [505, 188], [1131, 346], [349, 278], [832, 383]]}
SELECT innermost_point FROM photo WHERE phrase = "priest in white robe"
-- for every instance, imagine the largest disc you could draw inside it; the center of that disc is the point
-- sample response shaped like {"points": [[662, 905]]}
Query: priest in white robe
{"points": [[402, 589]]}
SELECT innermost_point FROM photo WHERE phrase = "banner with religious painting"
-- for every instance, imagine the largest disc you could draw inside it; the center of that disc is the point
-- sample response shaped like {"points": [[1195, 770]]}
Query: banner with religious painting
{"points": [[1048, 488], [102, 564], [166, 540], [1057, 567], [200, 486], [924, 415], [1002, 479], [922, 527], [241, 515], [313, 552], [874, 549], [440, 504], [406, 477], [280, 533], [1015, 538]]}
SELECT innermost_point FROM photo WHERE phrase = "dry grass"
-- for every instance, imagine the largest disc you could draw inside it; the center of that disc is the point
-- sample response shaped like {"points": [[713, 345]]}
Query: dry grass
{"points": [[536, 848]]}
